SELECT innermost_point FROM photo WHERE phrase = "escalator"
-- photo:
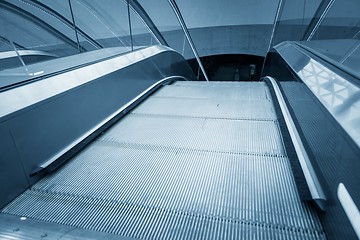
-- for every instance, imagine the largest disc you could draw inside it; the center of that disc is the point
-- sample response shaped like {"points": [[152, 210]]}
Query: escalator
{"points": [[195, 160]]}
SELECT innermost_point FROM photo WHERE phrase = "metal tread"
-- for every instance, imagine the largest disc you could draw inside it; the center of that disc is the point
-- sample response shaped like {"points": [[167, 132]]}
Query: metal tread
{"points": [[205, 134], [153, 146], [165, 174], [167, 115], [170, 193], [220, 84], [208, 108], [226, 93]]}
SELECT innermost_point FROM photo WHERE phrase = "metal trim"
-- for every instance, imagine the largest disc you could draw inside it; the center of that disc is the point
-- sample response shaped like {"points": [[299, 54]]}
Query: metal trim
{"points": [[74, 26], [351, 210], [10, 54], [276, 23], [312, 181], [130, 28], [106, 123]]}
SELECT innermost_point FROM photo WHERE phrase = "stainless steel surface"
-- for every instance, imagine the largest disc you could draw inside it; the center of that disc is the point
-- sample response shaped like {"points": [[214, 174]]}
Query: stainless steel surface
{"points": [[210, 91], [244, 85], [24, 96], [162, 175], [312, 181], [4, 55], [334, 155], [236, 136], [146, 192], [107, 119], [350, 208], [208, 108], [15, 75], [337, 94]]}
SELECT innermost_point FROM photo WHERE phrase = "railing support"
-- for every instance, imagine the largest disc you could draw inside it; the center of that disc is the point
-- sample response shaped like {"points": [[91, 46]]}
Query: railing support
{"points": [[187, 35]]}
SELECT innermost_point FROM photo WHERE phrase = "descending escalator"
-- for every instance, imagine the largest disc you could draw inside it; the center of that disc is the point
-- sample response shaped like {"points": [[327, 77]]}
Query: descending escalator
{"points": [[195, 160]]}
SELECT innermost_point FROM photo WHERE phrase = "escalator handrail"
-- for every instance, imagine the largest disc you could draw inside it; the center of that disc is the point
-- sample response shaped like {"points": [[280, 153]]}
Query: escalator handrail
{"points": [[312, 181]]}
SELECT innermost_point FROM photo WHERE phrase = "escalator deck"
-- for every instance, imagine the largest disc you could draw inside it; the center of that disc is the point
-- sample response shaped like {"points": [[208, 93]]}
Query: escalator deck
{"points": [[195, 160]]}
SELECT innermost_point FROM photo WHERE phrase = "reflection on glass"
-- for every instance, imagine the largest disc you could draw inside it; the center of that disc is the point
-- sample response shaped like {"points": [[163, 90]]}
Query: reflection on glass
{"points": [[15, 40], [337, 94], [344, 52], [141, 34], [352, 58], [166, 22], [339, 33], [342, 21], [107, 24], [8, 56], [331, 28], [294, 19], [46, 29], [36, 29], [170, 28]]}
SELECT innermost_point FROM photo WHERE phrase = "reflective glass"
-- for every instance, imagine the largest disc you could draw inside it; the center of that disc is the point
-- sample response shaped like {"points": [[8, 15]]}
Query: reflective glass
{"points": [[342, 21], [35, 34], [47, 29], [294, 19], [337, 37], [164, 18], [168, 25], [352, 58], [105, 22], [344, 52], [8, 56], [61, 11], [141, 34], [60, 7]]}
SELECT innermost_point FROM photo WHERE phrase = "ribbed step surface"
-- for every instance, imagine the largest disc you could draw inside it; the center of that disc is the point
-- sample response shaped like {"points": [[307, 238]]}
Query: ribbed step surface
{"points": [[237, 136], [208, 108], [166, 174], [218, 91]]}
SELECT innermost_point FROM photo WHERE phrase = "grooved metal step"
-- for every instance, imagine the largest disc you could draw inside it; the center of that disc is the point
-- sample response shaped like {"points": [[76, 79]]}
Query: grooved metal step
{"points": [[193, 171], [247, 92], [208, 108], [113, 185], [238, 136]]}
